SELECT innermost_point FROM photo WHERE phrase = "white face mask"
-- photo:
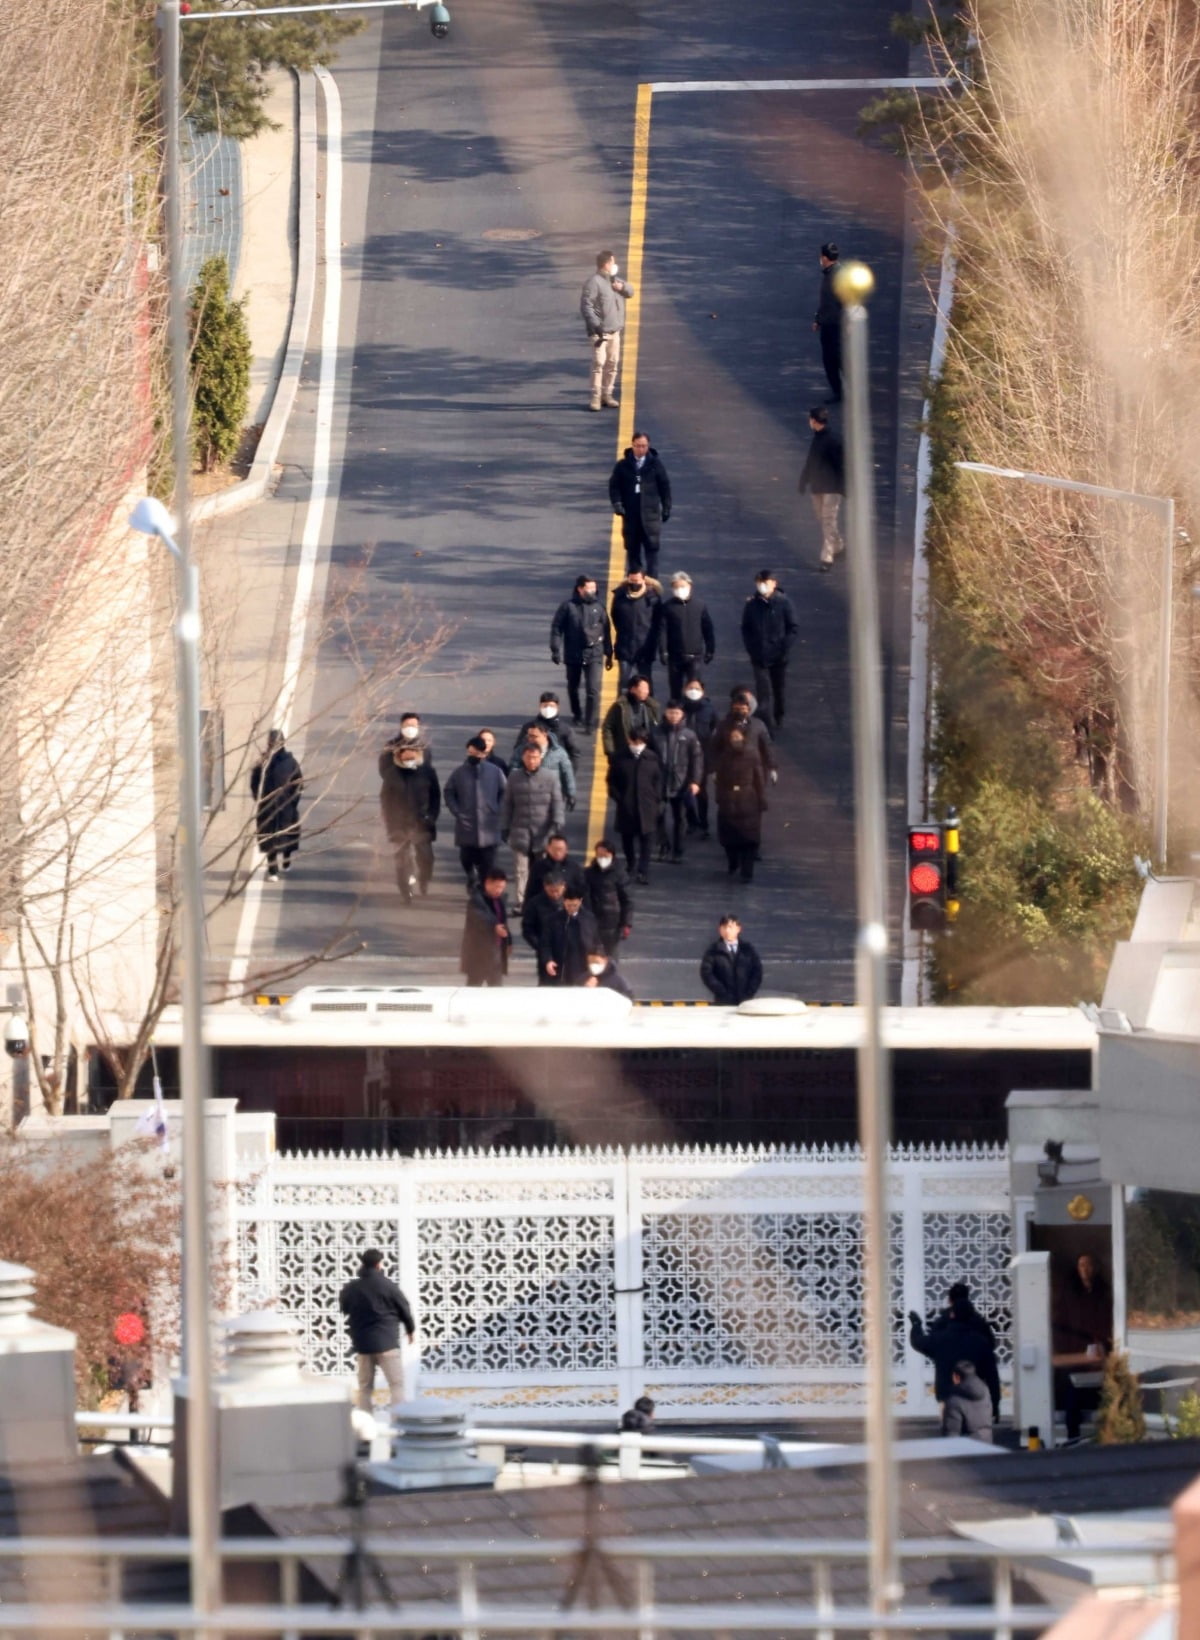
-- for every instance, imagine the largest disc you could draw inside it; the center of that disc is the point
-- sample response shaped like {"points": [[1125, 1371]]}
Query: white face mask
{"points": [[597, 967], [683, 594], [694, 694], [613, 270], [549, 712], [637, 750], [410, 766], [604, 861], [764, 587], [409, 732]]}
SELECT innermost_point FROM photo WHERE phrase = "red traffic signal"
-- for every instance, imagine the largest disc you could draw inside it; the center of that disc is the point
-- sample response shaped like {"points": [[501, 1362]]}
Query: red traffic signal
{"points": [[926, 878]]}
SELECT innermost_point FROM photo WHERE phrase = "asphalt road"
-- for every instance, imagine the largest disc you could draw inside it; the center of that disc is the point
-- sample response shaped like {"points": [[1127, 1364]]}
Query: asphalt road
{"points": [[473, 478]]}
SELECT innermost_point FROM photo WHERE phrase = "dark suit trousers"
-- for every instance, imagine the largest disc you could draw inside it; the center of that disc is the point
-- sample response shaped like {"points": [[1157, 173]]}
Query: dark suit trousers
{"points": [[831, 357], [770, 683], [587, 671]]}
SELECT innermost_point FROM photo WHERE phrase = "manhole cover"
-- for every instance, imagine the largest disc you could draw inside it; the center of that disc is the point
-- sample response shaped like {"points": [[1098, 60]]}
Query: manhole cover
{"points": [[511, 233]]}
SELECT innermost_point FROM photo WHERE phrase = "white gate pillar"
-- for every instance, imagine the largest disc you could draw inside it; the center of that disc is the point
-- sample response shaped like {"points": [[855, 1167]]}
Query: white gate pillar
{"points": [[1033, 1369]]}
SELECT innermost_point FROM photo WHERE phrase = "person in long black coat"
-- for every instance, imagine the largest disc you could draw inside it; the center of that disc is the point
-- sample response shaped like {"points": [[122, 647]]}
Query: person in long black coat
{"points": [[609, 898], [276, 782], [486, 940], [741, 794], [731, 969], [635, 784], [567, 940], [411, 800], [640, 492]]}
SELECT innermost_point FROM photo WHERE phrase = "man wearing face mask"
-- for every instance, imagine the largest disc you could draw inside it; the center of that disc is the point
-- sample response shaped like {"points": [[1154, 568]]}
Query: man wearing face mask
{"points": [[550, 718], [686, 641], [634, 612], [413, 733], [769, 629], [632, 710], [700, 715], [602, 307], [608, 896], [635, 784], [754, 731], [640, 492], [604, 975], [411, 800], [532, 807], [473, 795], [683, 773], [581, 636]]}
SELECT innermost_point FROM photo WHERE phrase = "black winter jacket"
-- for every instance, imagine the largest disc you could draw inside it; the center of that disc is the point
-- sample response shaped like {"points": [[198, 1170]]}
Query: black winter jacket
{"points": [[375, 1310], [731, 979], [685, 631], [566, 941], [612, 979], [537, 914], [633, 622], [541, 868], [647, 493], [275, 785], [769, 628], [825, 466], [411, 799], [578, 629], [829, 309], [635, 785], [947, 1343], [701, 718], [681, 757], [609, 897]]}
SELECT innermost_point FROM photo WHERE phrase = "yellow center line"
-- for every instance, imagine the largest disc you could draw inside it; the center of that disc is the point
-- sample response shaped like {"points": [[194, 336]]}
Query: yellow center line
{"points": [[598, 807]]}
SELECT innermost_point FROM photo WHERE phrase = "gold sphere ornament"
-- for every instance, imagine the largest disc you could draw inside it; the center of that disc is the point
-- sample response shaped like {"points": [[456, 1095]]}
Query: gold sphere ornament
{"points": [[853, 283]]}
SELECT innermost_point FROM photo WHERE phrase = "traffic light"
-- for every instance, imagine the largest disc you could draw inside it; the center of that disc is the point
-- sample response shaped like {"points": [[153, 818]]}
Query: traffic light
{"points": [[927, 877]]}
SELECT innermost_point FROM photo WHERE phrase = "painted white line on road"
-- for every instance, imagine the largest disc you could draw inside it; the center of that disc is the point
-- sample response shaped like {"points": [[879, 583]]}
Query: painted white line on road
{"points": [[918, 661], [322, 489], [660, 86]]}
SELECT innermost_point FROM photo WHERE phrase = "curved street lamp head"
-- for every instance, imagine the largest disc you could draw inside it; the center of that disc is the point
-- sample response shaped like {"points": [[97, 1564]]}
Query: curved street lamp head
{"points": [[150, 517]]}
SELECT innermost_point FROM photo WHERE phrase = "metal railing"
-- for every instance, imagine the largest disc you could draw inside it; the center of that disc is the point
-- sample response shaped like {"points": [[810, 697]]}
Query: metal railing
{"points": [[468, 1613]]}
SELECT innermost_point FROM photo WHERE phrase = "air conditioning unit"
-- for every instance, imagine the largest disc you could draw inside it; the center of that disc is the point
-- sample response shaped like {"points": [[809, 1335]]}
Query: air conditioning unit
{"points": [[366, 1002]]}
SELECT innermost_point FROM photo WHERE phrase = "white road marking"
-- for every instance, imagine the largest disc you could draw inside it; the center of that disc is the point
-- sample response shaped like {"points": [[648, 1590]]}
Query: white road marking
{"points": [[660, 86], [322, 489]]}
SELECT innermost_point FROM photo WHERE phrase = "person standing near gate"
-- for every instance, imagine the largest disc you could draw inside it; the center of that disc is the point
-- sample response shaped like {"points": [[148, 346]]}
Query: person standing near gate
{"points": [[581, 636], [827, 322], [640, 492], [769, 629], [602, 307], [375, 1310], [731, 969]]}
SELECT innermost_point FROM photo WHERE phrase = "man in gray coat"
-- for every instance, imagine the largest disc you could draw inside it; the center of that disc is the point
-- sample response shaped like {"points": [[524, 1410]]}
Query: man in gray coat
{"points": [[532, 807], [473, 795], [602, 305]]}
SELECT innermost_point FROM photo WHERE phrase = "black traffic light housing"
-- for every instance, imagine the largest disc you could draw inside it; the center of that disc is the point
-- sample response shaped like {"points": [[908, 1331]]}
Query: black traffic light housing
{"points": [[927, 877]]}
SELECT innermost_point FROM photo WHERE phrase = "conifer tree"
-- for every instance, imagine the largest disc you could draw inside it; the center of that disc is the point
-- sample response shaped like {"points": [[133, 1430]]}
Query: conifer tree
{"points": [[220, 365]]}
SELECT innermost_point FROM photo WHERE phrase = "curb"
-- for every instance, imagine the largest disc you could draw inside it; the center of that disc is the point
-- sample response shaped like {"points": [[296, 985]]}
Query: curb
{"points": [[258, 481]]}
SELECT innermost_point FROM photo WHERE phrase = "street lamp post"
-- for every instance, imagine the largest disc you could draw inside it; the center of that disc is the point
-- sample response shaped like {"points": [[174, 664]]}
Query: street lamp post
{"points": [[853, 285], [1164, 506]]}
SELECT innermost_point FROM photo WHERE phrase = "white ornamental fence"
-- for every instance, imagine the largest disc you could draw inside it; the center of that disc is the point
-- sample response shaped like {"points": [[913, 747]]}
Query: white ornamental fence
{"points": [[724, 1283]]}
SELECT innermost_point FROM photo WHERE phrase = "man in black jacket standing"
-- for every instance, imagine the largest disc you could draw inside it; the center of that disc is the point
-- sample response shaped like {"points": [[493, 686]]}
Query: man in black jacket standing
{"points": [[634, 611], [636, 784], [731, 968], [375, 1310], [769, 629], [824, 478], [567, 939], [827, 322], [686, 640], [640, 492], [581, 636]]}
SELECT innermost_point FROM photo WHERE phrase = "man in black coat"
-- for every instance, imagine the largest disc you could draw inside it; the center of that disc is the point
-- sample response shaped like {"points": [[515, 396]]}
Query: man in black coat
{"points": [[948, 1342], [700, 715], [566, 941], [275, 785], [769, 629], [548, 718], [539, 911], [411, 800], [635, 784], [604, 975], [827, 322], [609, 899], [375, 1310], [634, 611], [640, 492], [581, 637], [959, 1308], [730, 969], [824, 477], [557, 860], [486, 940], [686, 640]]}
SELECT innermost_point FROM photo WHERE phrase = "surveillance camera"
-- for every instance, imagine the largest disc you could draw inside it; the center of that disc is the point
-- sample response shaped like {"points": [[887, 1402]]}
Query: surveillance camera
{"points": [[439, 22], [16, 1037]]}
